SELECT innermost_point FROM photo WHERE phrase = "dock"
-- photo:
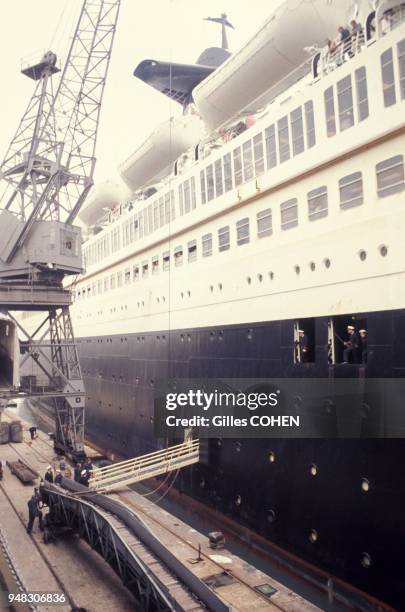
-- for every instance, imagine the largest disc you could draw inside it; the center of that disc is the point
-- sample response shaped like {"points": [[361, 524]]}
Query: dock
{"points": [[70, 566]]}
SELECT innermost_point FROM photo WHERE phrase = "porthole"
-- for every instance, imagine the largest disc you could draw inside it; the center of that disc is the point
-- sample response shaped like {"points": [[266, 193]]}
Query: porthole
{"points": [[158, 300], [181, 338], [312, 266], [137, 380], [221, 335], [366, 560], [362, 255], [219, 442], [250, 334], [188, 338], [271, 275], [211, 288], [212, 336], [260, 278], [238, 446], [297, 269], [238, 500], [163, 299], [202, 483], [182, 295], [365, 485], [189, 293], [272, 457], [152, 382], [313, 536], [271, 516], [326, 262], [248, 280], [151, 419], [313, 469], [383, 250]]}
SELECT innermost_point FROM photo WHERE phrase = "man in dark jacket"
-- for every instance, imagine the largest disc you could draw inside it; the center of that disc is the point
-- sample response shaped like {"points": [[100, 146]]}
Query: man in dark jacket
{"points": [[350, 353], [78, 471], [363, 345], [34, 511], [346, 41], [49, 474]]}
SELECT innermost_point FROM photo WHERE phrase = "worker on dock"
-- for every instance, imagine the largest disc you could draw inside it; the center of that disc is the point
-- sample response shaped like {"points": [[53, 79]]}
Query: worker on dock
{"points": [[34, 511], [77, 472], [87, 465], [58, 477], [84, 478], [33, 432], [49, 474]]}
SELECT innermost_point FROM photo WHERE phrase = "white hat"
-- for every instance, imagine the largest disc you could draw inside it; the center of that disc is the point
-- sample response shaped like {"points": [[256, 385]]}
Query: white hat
{"points": [[83, 473], [350, 327], [362, 330], [49, 467]]}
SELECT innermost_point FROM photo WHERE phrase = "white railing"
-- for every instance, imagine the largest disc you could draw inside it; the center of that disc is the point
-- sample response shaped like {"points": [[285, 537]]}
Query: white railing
{"points": [[337, 54], [129, 472]]}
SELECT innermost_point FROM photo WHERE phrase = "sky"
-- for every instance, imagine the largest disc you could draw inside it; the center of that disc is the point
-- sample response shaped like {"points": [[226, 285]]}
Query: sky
{"points": [[171, 30]]}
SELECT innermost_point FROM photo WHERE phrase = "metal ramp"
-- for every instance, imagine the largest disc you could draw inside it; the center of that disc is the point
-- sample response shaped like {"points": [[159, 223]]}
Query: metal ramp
{"points": [[147, 466]]}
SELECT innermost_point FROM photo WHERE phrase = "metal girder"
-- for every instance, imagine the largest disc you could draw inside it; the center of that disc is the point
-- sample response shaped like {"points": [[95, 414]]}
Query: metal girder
{"points": [[96, 529]]}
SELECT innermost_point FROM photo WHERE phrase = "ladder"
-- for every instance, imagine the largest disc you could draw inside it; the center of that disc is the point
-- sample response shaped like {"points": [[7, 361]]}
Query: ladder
{"points": [[129, 472]]}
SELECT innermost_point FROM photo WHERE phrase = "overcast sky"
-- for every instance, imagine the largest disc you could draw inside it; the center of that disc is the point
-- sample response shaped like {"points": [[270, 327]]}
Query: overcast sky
{"points": [[147, 29]]}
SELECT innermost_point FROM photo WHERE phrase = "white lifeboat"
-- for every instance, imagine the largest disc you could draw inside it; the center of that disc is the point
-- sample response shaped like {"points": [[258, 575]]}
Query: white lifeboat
{"points": [[272, 54], [103, 197], [154, 158]]}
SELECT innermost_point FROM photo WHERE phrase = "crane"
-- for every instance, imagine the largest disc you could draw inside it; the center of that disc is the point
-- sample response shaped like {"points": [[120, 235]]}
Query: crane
{"points": [[47, 173]]}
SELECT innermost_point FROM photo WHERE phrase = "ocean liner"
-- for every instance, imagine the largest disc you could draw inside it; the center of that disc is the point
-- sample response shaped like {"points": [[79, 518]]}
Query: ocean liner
{"points": [[274, 204]]}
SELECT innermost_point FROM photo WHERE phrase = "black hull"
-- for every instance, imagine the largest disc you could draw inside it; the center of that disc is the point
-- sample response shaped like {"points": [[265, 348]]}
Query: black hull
{"points": [[280, 500]]}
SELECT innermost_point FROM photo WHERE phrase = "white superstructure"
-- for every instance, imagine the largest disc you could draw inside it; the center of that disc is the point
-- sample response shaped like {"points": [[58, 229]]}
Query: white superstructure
{"points": [[301, 215]]}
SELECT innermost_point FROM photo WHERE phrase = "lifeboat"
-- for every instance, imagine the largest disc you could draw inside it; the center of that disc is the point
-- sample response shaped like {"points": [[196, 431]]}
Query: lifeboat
{"points": [[103, 197], [154, 158], [271, 55]]}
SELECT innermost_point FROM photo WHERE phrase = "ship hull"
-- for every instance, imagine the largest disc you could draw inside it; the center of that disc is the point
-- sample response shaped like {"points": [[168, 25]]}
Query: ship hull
{"points": [[280, 500]]}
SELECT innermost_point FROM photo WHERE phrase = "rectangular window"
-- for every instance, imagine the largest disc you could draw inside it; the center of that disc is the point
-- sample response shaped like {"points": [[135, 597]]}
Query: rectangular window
{"points": [[178, 256], [289, 214], [106, 283], [247, 161], [145, 222], [112, 281], [310, 123], [242, 231], [390, 176], [166, 261], [318, 203], [401, 64], [145, 269], [155, 264], [155, 214], [345, 103], [161, 212], [100, 286], [388, 80], [127, 276], [219, 186], [223, 238], [207, 245], [135, 273], [192, 250], [119, 279], [264, 223], [172, 206], [330, 112], [210, 183], [351, 190], [297, 131], [192, 191], [202, 187], [140, 223], [187, 198], [258, 153], [167, 207], [150, 218], [271, 150], [361, 90], [228, 172], [181, 201], [283, 139], [237, 166]]}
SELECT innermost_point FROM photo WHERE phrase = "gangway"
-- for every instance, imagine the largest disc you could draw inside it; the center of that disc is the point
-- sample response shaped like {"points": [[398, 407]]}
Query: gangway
{"points": [[154, 575], [129, 472]]}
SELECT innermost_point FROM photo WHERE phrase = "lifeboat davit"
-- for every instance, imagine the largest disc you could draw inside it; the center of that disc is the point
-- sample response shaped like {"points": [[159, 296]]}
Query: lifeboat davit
{"points": [[271, 55], [154, 158]]}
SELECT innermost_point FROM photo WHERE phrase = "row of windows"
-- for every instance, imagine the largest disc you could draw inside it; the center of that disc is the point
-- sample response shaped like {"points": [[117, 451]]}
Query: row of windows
{"points": [[286, 138], [388, 75], [282, 140], [390, 176]]}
